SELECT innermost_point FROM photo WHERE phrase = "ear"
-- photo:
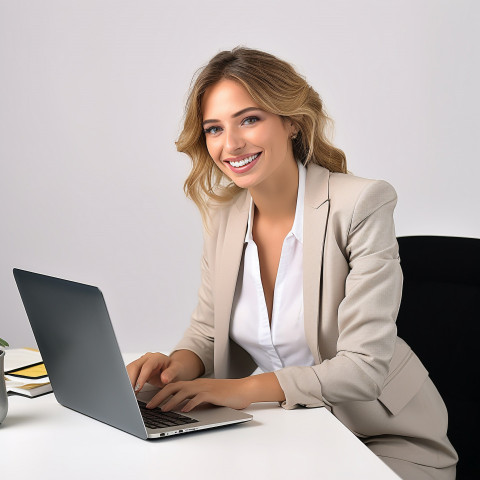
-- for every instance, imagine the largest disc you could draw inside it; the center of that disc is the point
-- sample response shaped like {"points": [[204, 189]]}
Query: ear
{"points": [[291, 126], [293, 130]]}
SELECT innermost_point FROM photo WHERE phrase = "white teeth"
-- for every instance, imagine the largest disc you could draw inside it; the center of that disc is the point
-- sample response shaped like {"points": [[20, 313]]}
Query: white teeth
{"points": [[243, 162]]}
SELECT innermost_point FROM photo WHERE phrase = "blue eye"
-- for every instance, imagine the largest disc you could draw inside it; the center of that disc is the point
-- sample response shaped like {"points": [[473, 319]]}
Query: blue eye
{"points": [[211, 130], [250, 120]]}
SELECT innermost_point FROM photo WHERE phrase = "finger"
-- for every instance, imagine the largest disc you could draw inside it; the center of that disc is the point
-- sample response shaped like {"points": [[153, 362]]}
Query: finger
{"points": [[163, 395], [133, 369], [171, 395], [177, 399], [170, 373], [143, 376], [194, 402], [150, 370]]}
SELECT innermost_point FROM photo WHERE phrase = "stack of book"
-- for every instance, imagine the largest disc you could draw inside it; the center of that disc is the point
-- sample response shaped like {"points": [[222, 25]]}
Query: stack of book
{"points": [[25, 373]]}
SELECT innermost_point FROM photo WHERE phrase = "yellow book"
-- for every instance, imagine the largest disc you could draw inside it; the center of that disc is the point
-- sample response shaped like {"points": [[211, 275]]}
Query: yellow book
{"points": [[28, 389], [25, 373]]}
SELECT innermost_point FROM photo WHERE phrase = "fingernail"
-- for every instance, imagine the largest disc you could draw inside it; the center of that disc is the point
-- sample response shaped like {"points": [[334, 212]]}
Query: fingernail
{"points": [[137, 387]]}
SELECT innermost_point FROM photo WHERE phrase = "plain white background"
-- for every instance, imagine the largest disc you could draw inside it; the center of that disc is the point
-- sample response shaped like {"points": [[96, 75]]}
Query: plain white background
{"points": [[91, 102]]}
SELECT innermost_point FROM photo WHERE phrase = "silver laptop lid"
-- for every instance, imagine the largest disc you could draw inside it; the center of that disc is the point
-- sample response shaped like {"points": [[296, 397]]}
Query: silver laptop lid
{"points": [[75, 336]]}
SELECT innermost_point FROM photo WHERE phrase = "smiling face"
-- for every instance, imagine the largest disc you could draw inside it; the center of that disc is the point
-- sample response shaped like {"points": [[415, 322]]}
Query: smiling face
{"points": [[248, 144]]}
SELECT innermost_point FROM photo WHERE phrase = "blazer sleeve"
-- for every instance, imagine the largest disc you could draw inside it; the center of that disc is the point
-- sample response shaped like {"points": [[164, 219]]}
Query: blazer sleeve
{"points": [[366, 315], [199, 336]]}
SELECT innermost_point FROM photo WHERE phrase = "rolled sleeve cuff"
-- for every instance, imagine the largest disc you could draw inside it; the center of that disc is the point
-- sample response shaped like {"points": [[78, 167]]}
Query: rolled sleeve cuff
{"points": [[301, 387]]}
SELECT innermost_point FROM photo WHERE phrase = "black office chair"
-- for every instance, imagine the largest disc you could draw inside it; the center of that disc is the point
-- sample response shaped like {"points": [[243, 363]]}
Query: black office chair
{"points": [[440, 319]]}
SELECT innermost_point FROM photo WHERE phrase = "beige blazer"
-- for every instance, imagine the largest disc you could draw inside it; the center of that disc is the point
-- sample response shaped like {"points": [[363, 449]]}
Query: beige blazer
{"points": [[363, 372]]}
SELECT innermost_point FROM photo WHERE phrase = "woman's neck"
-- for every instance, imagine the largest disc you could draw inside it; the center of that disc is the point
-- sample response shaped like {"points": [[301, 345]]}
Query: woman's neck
{"points": [[276, 199]]}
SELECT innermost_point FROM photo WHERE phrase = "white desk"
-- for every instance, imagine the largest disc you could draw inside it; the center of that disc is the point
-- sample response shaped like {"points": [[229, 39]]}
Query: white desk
{"points": [[41, 439]]}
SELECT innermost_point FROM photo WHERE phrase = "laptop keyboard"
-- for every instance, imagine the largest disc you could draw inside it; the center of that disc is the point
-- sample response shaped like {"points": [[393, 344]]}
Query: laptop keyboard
{"points": [[155, 418]]}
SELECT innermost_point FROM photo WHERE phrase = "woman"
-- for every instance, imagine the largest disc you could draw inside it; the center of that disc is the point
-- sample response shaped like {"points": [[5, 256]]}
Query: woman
{"points": [[300, 272]]}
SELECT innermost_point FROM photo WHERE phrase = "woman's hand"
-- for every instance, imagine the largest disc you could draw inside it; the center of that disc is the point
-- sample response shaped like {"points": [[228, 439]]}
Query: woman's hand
{"points": [[228, 393], [234, 393], [160, 370], [150, 368]]}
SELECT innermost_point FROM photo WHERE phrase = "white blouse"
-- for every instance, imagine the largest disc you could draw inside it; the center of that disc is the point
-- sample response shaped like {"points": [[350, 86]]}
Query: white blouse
{"points": [[283, 343]]}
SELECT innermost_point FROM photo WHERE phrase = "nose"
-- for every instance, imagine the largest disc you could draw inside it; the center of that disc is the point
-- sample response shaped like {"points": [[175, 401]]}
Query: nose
{"points": [[233, 140]]}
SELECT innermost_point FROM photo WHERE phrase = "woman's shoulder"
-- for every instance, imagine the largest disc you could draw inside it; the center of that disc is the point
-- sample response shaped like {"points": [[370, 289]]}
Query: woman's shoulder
{"points": [[349, 183], [350, 193], [351, 187]]}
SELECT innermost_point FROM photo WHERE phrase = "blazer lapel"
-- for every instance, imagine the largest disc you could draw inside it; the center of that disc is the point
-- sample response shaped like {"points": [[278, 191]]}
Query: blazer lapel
{"points": [[228, 261], [317, 207]]}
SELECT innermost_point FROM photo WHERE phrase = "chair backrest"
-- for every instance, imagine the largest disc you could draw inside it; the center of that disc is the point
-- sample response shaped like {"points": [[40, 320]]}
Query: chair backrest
{"points": [[440, 319]]}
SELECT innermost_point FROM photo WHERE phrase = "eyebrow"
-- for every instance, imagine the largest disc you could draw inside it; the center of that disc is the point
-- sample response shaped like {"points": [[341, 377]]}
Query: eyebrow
{"points": [[241, 112]]}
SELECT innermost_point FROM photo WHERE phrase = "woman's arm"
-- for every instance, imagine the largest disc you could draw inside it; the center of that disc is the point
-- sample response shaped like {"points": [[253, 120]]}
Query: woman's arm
{"points": [[198, 338], [365, 316], [193, 355]]}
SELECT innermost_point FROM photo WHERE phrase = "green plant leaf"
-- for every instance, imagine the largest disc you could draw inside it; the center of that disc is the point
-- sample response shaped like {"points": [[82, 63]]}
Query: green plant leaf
{"points": [[3, 343]]}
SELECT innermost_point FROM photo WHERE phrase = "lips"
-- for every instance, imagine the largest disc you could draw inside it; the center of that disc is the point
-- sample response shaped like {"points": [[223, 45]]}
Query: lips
{"points": [[242, 163], [245, 161]]}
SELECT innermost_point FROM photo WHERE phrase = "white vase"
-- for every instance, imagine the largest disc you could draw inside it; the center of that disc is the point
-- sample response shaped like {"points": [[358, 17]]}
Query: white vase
{"points": [[3, 390]]}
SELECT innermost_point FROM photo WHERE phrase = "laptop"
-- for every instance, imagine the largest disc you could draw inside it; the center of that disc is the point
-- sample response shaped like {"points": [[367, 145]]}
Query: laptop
{"points": [[75, 336]]}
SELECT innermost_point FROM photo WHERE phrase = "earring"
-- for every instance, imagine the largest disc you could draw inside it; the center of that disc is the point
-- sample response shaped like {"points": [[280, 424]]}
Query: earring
{"points": [[294, 135]]}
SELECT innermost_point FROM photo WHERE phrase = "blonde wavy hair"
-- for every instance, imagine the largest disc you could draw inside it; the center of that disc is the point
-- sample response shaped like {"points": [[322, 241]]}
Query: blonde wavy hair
{"points": [[277, 88]]}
